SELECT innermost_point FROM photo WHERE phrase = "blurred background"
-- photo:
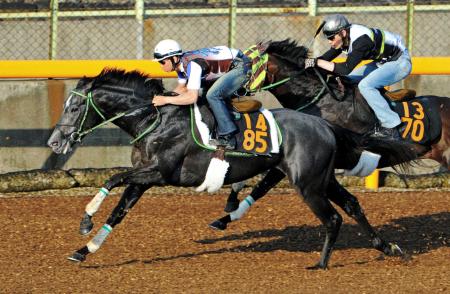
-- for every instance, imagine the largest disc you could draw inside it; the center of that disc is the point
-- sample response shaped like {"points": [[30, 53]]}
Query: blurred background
{"points": [[126, 29]]}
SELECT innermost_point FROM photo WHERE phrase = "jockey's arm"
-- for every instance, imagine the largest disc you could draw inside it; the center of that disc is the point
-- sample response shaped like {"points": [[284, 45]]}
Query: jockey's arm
{"points": [[190, 96], [361, 47], [189, 92], [180, 88], [327, 65]]}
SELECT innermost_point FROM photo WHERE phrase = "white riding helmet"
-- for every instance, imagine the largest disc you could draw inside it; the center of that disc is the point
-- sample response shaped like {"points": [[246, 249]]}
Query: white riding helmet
{"points": [[334, 24], [167, 48]]}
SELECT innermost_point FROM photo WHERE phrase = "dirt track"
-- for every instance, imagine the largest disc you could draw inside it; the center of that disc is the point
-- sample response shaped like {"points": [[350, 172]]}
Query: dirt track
{"points": [[165, 246]]}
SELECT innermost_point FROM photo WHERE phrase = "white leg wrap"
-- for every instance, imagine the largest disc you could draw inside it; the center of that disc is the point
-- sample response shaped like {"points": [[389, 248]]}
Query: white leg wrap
{"points": [[93, 206], [367, 163], [97, 241], [244, 205], [215, 175]]}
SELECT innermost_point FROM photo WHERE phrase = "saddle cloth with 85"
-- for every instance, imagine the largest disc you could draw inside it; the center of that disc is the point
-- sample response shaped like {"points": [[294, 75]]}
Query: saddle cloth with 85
{"points": [[258, 133]]}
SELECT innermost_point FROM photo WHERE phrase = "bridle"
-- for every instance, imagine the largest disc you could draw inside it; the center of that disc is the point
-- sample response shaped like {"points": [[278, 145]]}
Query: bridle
{"points": [[80, 133]]}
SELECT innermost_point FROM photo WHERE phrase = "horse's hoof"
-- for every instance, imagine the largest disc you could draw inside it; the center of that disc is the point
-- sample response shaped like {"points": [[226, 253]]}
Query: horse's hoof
{"points": [[77, 257], [317, 267], [218, 225], [231, 206], [393, 250], [86, 224]]}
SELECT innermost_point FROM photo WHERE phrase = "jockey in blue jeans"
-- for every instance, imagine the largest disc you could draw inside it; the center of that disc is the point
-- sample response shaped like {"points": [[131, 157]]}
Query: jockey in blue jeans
{"points": [[228, 69], [390, 64]]}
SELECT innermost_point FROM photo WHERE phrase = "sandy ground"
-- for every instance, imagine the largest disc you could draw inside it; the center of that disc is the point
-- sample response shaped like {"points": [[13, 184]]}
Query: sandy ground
{"points": [[165, 246]]}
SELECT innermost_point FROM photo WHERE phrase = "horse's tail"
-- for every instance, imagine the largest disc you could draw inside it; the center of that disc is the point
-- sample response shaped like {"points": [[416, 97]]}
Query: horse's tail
{"points": [[350, 146]]}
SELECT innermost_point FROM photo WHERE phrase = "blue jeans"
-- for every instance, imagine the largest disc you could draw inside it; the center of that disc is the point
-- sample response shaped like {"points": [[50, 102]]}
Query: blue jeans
{"points": [[374, 76], [223, 89]]}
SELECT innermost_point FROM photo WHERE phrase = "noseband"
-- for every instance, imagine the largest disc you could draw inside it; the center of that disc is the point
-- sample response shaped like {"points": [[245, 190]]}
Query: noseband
{"points": [[79, 133]]}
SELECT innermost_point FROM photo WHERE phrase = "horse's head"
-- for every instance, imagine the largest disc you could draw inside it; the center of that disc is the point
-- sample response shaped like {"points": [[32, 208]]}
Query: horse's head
{"points": [[97, 100], [67, 130], [288, 54]]}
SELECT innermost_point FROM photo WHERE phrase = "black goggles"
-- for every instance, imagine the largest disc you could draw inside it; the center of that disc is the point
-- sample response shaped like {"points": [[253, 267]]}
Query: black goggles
{"points": [[163, 56]]}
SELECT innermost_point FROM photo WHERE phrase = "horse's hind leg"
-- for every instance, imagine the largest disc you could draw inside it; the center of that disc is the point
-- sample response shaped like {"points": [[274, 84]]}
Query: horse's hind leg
{"points": [[129, 198], [273, 177], [329, 217], [233, 200], [345, 200]]}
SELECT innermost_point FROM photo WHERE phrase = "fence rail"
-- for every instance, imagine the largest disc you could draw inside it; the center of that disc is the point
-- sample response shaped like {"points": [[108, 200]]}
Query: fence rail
{"points": [[29, 69], [135, 29]]}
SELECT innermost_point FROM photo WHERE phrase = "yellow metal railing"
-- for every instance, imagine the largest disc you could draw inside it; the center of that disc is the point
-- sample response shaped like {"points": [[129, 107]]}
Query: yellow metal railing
{"points": [[90, 68]]}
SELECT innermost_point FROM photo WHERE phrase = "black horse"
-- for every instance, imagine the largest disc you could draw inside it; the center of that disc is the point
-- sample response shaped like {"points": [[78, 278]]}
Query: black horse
{"points": [[307, 91], [165, 152]]}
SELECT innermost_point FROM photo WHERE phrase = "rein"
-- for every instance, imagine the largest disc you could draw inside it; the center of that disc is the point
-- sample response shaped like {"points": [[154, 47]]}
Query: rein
{"points": [[79, 134], [316, 98]]}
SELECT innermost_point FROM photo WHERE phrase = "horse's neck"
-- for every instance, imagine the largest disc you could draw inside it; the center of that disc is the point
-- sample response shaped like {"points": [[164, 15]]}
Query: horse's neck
{"points": [[136, 112], [352, 113]]}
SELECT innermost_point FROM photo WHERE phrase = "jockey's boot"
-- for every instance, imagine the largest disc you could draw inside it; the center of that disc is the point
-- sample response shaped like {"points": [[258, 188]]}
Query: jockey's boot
{"points": [[227, 141], [386, 133]]}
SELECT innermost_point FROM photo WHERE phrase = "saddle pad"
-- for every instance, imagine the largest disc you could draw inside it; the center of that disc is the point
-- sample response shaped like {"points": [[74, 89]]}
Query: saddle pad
{"points": [[421, 120], [258, 132]]}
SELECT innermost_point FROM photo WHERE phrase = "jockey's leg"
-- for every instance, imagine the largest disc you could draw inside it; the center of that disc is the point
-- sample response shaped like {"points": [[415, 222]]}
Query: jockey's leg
{"points": [[386, 75], [221, 90], [362, 71]]}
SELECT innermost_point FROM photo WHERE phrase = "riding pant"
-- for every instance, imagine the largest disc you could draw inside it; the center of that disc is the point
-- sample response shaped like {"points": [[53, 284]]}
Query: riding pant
{"points": [[224, 88], [374, 76]]}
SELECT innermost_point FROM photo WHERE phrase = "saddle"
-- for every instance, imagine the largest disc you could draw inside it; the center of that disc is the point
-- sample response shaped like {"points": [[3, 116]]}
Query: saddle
{"points": [[396, 95], [246, 105], [400, 94]]}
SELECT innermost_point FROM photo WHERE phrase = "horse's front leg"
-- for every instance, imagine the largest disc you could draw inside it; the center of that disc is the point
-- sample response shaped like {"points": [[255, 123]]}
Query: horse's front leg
{"points": [[273, 177], [139, 180], [129, 198], [92, 207]]}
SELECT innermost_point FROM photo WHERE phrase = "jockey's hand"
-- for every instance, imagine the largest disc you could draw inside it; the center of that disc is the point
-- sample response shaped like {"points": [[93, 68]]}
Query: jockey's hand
{"points": [[310, 62], [159, 100]]}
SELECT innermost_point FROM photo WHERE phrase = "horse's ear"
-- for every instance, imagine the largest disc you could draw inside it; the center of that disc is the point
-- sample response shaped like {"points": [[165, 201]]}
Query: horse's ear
{"points": [[262, 46]]}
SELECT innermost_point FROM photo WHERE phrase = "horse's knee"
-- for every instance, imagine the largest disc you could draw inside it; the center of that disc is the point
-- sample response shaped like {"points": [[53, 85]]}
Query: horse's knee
{"points": [[114, 181], [335, 222], [352, 208]]}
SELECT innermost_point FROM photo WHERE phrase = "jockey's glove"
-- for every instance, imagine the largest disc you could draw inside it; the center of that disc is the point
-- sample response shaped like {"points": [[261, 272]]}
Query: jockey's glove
{"points": [[310, 62]]}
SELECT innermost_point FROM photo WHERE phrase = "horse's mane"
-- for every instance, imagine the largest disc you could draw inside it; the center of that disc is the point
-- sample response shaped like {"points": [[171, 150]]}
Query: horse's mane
{"points": [[136, 80], [289, 50]]}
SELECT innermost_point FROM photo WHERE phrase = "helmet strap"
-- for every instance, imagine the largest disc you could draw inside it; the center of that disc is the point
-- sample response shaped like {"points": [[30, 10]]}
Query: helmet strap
{"points": [[346, 39], [174, 64]]}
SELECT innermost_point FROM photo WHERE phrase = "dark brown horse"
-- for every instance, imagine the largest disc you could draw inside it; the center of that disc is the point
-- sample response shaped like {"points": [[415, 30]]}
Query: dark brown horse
{"points": [[426, 118], [304, 91]]}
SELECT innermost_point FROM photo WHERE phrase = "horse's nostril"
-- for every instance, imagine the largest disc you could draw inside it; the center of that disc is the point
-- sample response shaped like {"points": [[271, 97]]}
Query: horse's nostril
{"points": [[54, 144]]}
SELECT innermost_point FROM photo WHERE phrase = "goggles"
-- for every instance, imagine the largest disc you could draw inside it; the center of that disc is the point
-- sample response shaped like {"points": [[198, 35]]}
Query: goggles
{"points": [[159, 56]]}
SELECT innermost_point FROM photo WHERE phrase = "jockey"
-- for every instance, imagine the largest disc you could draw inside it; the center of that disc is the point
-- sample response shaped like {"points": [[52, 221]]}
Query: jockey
{"points": [[228, 69], [390, 64]]}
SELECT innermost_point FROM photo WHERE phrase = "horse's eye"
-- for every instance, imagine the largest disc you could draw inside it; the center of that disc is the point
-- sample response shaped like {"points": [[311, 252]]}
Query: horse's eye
{"points": [[74, 109]]}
